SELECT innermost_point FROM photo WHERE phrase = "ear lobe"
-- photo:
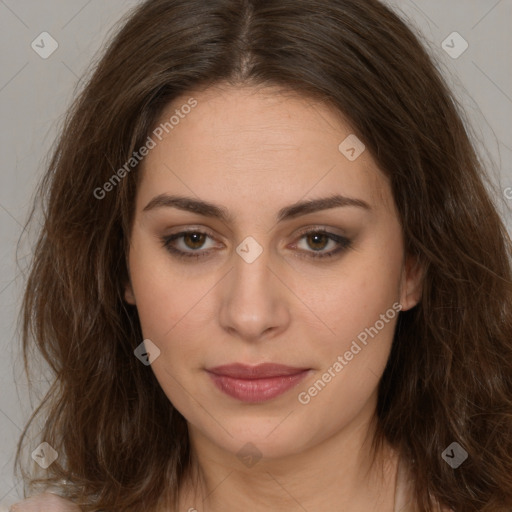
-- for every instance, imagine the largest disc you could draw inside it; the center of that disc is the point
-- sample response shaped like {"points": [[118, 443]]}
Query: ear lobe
{"points": [[412, 283], [129, 296]]}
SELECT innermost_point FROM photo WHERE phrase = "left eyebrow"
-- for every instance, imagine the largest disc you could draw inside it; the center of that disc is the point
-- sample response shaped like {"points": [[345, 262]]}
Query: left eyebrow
{"points": [[208, 209], [315, 205]]}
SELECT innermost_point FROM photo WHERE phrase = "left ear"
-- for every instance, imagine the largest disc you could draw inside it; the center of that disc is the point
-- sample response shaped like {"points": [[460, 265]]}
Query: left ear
{"points": [[411, 283]]}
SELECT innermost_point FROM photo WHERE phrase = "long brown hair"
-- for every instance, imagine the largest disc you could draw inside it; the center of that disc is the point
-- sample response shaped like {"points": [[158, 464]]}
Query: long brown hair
{"points": [[121, 444]]}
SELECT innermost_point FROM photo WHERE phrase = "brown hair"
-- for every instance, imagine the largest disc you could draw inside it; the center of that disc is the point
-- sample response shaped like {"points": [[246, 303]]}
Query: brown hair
{"points": [[121, 443]]}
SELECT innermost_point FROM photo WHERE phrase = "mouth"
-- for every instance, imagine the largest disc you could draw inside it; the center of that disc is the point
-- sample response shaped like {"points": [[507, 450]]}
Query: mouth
{"points": [[254, 384]]}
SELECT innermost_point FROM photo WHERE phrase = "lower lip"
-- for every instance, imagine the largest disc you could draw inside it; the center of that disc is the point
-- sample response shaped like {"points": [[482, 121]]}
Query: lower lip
{"points": [[257, 390]]}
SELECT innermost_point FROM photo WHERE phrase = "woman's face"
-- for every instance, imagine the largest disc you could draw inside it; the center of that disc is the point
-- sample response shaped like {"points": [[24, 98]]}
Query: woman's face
{"points": [[253, 287]]}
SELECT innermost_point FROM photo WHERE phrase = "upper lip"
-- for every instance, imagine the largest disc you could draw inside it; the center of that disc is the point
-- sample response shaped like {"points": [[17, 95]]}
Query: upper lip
{"points": [[260, 371]]}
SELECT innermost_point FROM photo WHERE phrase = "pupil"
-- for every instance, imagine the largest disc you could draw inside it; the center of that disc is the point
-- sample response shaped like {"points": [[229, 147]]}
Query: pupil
{"points": [[318, 237], [196, 239]]}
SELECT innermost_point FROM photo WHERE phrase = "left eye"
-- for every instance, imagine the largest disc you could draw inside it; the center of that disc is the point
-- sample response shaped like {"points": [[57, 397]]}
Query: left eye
{"points": [[317, 240], [320, 239]]}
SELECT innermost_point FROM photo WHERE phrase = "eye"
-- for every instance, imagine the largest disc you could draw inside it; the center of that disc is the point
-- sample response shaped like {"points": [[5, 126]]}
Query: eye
{"points": [[192, 240], [191, 244], [319, 239]]}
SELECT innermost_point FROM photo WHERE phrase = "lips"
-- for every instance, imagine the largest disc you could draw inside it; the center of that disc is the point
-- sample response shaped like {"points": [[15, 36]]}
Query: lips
{"points": [[256, 383], [260, 371]]}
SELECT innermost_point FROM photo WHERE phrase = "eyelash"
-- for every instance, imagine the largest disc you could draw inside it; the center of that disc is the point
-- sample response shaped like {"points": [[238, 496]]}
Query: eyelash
{"points": [[343, 244]]}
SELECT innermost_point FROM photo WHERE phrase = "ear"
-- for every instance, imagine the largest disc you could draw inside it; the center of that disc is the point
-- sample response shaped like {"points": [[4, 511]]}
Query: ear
{"points": [[411, 283], [129, 296]]}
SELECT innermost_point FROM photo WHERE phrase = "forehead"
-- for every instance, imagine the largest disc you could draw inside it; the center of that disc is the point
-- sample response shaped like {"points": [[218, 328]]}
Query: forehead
{"points": [[245, 144]]}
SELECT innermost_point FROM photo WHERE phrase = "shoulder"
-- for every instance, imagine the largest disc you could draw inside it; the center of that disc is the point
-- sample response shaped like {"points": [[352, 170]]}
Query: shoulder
{"points": [[44, 502]]}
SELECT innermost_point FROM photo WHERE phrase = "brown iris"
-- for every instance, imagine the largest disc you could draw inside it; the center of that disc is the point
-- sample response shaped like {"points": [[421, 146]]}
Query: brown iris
{"points": [[197, 240], [316, 237]]}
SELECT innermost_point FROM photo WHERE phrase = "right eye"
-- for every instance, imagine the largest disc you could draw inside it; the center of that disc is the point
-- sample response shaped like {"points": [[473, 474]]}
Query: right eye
{"points": [[191, 239]]}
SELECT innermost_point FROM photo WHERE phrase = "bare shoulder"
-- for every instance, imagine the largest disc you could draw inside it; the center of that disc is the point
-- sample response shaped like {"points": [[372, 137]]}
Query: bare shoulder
{"points": [[43, 503]]}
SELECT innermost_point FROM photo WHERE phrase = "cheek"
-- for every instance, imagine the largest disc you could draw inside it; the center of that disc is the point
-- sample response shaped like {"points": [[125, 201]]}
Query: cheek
{"points": [[348, 300], [164, 294], [178, 322], [360, 308], [172, 314], [361, 312]]}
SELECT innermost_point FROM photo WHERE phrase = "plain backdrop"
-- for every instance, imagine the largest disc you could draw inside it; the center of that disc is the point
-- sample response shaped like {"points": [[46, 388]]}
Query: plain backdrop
{"points": [[35, 92]]}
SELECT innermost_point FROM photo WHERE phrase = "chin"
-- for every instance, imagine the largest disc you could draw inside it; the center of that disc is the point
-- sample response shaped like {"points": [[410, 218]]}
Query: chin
{"points": [[270, 439]]}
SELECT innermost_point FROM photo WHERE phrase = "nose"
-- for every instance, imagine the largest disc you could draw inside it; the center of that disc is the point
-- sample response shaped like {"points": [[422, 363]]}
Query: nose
{"points": [[255, 302]]}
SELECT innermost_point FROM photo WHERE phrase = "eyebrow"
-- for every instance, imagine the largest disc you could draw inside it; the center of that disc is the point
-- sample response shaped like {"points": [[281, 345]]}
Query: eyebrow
{"points": [[208, 209]]}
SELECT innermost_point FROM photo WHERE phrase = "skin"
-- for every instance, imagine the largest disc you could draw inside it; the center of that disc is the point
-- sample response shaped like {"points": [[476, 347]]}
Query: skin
{"points": [[254, 151], [43, 503]]}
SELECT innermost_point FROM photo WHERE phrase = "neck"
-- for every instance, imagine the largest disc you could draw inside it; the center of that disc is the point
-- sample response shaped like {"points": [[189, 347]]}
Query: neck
{"points": [[338, 473]]}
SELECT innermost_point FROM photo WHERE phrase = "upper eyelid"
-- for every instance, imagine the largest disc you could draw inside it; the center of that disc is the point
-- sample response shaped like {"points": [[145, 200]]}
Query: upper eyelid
{"points": [[302, 233], [342, 242]]}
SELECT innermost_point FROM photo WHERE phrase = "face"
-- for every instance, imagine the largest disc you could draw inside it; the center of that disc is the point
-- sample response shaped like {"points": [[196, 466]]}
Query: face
{"points": [[266, 272]]}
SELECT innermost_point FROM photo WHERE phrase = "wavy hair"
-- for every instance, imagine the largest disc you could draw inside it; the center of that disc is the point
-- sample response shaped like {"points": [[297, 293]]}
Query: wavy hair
{"points": [[121, 443]]}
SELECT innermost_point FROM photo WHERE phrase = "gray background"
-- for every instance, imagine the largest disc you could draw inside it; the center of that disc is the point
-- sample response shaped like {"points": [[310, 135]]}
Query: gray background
{"points": [[34, 94]]}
